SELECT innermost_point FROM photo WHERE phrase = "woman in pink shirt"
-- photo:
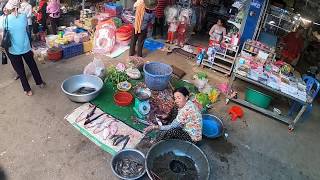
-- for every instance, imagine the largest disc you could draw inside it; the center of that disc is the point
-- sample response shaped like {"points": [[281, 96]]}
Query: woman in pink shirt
{"points": [[53, 10]]}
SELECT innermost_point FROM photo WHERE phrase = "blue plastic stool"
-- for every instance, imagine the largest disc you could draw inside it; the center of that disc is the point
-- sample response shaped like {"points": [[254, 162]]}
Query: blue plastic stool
{"points": [[312, 88]]}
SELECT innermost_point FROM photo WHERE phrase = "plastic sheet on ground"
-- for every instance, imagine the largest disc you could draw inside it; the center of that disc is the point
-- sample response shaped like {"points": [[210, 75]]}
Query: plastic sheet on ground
{"points": [[117, 51], [153, 45]]}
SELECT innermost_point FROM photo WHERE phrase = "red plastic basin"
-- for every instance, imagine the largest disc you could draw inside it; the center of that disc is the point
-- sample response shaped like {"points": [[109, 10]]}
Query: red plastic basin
{"points": [[123, 98]]}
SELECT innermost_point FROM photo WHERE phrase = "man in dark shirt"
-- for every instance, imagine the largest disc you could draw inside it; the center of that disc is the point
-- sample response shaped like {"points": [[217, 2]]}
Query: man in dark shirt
{"points": [[159, 21]]}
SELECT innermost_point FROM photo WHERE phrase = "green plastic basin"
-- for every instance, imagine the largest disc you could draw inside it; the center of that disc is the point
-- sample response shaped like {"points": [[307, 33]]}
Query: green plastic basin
{"points": [[257, 98]]}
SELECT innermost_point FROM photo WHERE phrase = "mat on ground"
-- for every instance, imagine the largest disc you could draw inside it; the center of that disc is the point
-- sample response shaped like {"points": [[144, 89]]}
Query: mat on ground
{"points": [[104, 125], [106, 102]]}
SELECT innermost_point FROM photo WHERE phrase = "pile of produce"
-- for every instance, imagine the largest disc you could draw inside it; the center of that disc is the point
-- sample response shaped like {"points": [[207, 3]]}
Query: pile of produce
{"points": [[213, 95], [115, 77], [202, 75], [136, 62], [203, 99]]}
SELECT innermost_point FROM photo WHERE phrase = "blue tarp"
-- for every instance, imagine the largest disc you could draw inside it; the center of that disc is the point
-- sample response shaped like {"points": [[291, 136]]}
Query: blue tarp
{"points": [[153, 45]]}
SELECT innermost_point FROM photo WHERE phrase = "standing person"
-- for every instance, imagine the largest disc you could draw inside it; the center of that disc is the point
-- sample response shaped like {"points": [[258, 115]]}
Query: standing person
{"points": [[181, 31], [26, 8], [53, 9], [292, 46], [160, 20], [173, 26], [217, 32], [42, 14], [186, 126], [20, 45], [143, 16]]}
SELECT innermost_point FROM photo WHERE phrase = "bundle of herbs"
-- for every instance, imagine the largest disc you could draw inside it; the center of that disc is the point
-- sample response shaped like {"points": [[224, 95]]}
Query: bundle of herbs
{"points": [[114, 76]]}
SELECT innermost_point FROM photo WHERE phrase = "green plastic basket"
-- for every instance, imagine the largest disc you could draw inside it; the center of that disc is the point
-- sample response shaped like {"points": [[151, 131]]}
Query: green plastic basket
{"points": [[257, 98]]}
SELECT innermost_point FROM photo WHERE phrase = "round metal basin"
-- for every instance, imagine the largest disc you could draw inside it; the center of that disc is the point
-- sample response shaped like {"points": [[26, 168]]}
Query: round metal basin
{"points": [[73, 83], [177, 159], [133, 155]]}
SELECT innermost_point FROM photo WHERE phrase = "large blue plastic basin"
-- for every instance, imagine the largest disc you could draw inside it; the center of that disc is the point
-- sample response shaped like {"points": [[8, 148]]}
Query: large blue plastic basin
{"points": [[212, 126]]}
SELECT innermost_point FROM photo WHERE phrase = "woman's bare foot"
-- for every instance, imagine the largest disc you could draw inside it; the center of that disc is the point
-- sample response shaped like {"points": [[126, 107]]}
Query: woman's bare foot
{"points": [[28, 93]]}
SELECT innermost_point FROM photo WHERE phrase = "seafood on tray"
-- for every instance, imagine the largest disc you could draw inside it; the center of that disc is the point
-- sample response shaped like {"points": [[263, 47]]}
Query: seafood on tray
{"points": [[86, 113], [104, 126], [117, 139]]}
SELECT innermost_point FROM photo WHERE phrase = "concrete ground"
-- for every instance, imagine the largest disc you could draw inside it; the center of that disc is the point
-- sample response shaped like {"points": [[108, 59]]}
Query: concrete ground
{"points": [[36, 142]]}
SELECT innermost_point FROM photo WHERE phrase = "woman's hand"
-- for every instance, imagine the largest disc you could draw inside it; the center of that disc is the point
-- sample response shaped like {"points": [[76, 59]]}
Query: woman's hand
{"points": [[162, 116], [149, 129]]}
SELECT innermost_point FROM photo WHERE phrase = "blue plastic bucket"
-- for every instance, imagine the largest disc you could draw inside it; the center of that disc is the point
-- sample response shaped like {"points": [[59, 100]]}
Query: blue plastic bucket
{"points": [[157, 75]]}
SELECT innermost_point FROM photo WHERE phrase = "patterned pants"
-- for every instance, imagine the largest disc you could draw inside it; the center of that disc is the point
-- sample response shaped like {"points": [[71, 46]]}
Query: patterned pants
{"points": [[176, 133], [181, 38], [170, 36]]}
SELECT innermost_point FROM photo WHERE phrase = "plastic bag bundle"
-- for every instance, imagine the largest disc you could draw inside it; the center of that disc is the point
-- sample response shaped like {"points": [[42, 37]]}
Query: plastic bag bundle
{"points": [[69, 36], [104, 38], [171, 13], [96, 68]]}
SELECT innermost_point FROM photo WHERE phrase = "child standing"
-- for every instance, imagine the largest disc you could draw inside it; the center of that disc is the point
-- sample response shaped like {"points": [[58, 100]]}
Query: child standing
{"points": [[171, 31], [182, 29]]}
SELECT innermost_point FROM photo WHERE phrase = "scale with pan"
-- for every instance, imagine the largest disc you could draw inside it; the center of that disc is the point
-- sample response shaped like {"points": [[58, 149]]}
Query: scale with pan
{"points": [[141, 104]]}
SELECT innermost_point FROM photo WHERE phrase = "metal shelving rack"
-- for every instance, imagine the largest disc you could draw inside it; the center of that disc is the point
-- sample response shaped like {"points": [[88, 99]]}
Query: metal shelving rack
{"points": [[279, 21], [244, 49], [223, 62]]}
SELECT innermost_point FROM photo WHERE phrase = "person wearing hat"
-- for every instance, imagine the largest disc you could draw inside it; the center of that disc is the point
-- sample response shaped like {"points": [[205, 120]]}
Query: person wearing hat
{"points": [[143, 17], [17, 24]]}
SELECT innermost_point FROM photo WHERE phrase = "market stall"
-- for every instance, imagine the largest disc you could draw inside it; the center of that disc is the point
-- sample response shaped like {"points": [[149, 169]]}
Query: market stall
{"points": [[128, 101], [105, 29], [256, 66]]}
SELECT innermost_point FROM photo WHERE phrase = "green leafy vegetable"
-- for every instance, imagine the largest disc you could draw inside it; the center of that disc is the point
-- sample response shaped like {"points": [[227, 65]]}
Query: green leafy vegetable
{"points": [[203, 99], [115, 77], [202, 75]]}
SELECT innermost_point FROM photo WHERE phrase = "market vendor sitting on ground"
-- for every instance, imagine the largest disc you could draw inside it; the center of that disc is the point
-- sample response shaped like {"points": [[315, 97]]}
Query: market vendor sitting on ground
{"points": [[186, 126], [292, 46], [144, 15]]}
